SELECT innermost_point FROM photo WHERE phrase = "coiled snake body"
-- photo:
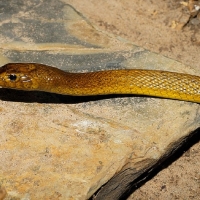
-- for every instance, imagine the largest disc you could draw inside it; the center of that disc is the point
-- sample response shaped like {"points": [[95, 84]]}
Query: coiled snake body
{"points": [[32, 76]]}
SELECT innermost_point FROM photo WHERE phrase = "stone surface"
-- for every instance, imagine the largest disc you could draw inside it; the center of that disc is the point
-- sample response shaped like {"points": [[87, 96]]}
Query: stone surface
{"points": [[60, 147]]}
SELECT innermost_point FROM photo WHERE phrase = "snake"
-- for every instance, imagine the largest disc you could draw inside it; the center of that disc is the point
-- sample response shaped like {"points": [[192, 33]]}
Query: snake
{"points": [[142, 82]]}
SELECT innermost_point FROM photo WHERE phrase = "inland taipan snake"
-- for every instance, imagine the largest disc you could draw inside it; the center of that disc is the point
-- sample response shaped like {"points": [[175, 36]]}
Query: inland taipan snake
{"points": [[39, 77]]}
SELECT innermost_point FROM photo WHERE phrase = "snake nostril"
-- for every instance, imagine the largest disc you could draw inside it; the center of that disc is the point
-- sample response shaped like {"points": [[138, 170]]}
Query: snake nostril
{"points": [[12, 77]]}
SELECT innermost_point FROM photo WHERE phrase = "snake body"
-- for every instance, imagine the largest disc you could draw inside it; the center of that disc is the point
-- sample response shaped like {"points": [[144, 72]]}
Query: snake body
{"points": [[39, 77]]}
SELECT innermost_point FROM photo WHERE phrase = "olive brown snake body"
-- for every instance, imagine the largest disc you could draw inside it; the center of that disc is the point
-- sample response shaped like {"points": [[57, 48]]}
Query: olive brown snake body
{"points": [[39, 77]]}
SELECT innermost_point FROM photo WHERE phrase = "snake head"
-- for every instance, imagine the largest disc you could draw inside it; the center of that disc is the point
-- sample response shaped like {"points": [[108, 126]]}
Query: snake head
{"points": [[18, 76]]}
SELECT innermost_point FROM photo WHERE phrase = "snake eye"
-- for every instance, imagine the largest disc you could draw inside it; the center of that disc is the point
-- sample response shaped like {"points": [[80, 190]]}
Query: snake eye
{"points": [[12, 77]]}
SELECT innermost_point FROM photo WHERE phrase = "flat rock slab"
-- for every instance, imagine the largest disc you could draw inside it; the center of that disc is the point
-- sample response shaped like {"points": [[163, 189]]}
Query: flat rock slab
{"points": [[62, 147]]}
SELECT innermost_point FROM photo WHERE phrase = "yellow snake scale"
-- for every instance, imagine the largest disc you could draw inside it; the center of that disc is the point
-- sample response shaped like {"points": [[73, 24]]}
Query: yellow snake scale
{"points": [[39, 77]]}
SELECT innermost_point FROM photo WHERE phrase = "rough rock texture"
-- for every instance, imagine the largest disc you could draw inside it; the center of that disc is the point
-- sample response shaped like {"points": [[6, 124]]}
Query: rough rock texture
{"points": [[60, 147]]}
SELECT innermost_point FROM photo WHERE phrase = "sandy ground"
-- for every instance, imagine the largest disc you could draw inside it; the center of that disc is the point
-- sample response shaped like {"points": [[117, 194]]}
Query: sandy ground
{"points": [[170, 28]]}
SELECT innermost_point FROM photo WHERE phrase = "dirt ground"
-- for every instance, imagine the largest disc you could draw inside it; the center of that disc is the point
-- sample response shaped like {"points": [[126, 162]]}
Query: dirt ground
{"points": [[170, 28]]}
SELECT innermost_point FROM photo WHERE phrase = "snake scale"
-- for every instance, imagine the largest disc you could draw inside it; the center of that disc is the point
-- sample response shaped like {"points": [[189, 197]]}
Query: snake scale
{"points": [[39, 77]]}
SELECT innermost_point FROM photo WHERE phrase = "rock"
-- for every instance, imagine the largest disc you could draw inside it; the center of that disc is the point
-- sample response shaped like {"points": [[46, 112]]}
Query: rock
{"points": [[61, 147]]}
